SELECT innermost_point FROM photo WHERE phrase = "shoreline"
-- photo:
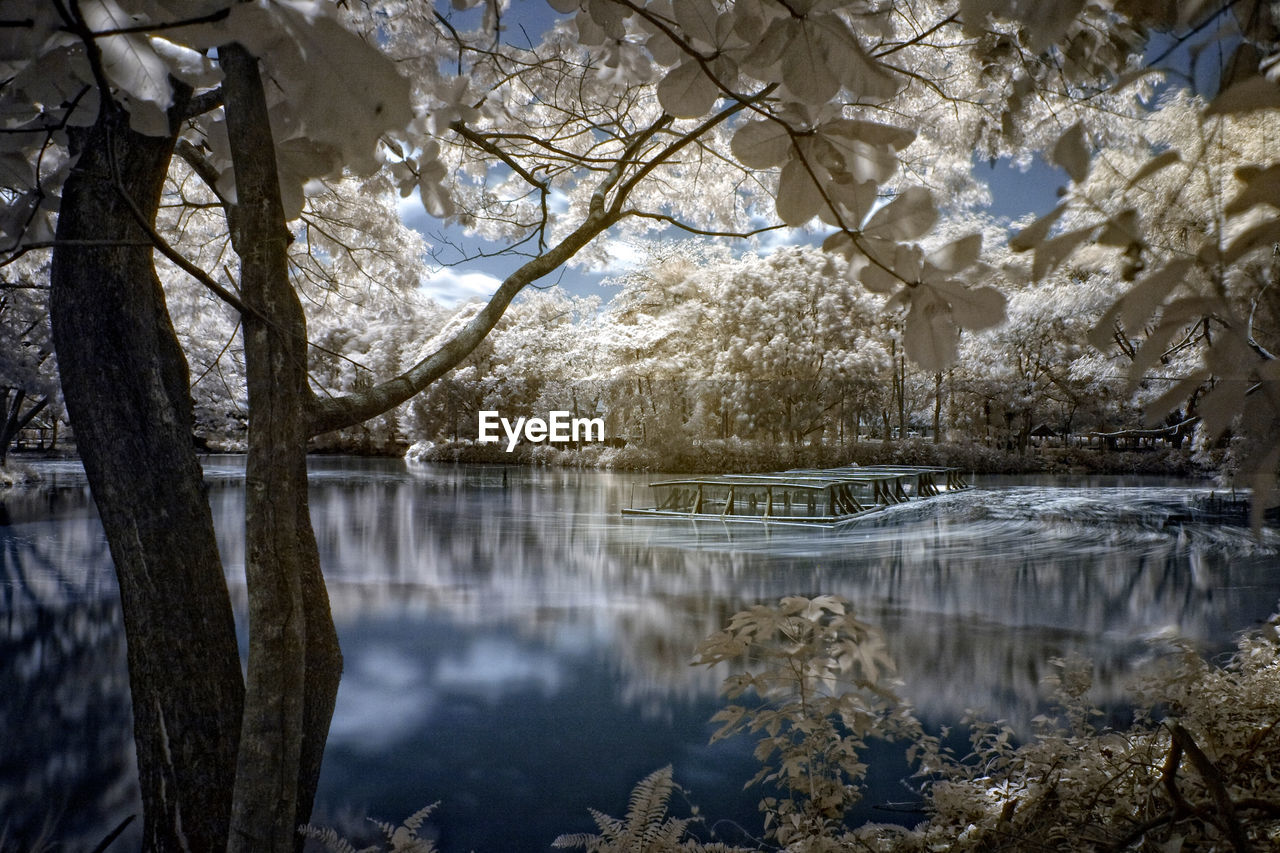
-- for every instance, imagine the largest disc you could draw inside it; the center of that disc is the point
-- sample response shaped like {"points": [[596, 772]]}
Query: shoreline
{"points": [[737, 457]]}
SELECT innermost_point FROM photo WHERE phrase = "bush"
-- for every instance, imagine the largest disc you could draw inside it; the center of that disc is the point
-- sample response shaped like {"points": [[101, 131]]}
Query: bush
{"points": [[1195, 771]]}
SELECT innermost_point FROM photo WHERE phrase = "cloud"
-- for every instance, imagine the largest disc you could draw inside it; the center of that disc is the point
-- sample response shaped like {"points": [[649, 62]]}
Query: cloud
{"points": [[450, 286], [770, 241]]}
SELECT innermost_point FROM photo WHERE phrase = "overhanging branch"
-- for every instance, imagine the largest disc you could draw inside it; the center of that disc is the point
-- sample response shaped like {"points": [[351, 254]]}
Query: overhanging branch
{"points": [[339, 412]]}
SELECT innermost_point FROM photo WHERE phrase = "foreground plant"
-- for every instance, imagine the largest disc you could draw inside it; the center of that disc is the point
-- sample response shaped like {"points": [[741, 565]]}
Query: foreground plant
{"points": [[1194, 771], [821, 678], [647, 827]]}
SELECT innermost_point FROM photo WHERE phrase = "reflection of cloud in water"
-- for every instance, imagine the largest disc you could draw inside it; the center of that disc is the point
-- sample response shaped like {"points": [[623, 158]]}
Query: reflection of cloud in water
{"points": [[491, 667], [383, 698]]}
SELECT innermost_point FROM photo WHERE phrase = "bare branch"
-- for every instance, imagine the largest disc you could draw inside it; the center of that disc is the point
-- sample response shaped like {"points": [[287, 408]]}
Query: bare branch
{"points": [[702, 232]]}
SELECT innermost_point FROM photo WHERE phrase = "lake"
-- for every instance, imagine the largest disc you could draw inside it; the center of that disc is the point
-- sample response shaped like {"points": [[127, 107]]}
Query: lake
{"points": [[519, 652]]}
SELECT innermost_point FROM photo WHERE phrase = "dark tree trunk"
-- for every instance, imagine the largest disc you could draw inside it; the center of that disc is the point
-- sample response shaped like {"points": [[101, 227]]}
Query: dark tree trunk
{"points": [[294, 660], [126, 385], [16, 419]]}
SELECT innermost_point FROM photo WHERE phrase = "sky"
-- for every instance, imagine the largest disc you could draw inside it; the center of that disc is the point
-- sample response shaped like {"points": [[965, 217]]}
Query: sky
{"points": [[1015, 194]]}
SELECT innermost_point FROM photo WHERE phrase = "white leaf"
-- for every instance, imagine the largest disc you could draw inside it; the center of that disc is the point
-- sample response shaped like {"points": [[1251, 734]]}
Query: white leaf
{"points": [[435, 198], [1222, 404], [806, 70], [1176, 397], [1122, 230], [761, 144], [1264, 234], [146, 117], [904, 261], [1152, 350], [610, 16], [190, 66], [930, 338], [128, 60], [975, 14], [1155, 164], [799, 198], [958, 254], [972, 307], [564, 7], [1051, 253], [697, 20], [867, 80], [1256, 93], [1072, 154], [877, 279], [329, 84], [1262, 186], [686, 92], [862, 160], [854, 199], [1031, 236], [1136, 307], [1050, 22], [907, 217], [870, 132]]}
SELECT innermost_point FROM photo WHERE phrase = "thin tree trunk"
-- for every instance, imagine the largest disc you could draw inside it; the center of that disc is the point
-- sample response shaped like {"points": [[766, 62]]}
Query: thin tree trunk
{"points": [[937, 407], [126, 385], [294, 660]]}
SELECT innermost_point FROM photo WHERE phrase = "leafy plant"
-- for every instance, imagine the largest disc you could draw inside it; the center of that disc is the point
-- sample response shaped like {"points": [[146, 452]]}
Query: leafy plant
{"points": [[821, 677]]}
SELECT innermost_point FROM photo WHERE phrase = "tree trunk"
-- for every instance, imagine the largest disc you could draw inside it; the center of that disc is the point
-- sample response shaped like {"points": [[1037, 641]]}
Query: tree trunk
{"points": [[126, 385], [937, 408], [294, 660]]}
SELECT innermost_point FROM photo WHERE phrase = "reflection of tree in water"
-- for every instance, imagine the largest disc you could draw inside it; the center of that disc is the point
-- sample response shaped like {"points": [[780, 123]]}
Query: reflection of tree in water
{"points": [[975, 598], [67, 760]]}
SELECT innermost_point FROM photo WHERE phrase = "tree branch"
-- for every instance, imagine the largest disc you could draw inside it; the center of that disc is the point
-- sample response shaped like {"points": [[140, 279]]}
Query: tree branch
{"points": [[702, 232], [181, 262], [1226, 807], [348, 410], [205, 102], [212, 17]]}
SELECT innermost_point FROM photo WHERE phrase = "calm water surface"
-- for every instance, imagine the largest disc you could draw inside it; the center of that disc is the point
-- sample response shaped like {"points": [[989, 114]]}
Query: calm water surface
{"points": [[518, 651]]}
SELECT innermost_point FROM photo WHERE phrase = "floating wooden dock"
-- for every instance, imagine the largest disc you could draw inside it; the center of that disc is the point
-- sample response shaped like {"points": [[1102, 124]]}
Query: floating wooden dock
{"points": [[823, 497]]}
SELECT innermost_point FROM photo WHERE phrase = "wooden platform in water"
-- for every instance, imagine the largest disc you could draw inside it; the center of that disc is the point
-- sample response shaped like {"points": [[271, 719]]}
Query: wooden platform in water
{"points": [[809, 496]]}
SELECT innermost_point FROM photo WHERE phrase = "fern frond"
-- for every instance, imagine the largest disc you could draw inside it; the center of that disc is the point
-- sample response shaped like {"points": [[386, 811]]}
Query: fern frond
{"points": [[414, 821], [648, 804], [578, 841], [387, 829], [611, 828], [332, 841]]}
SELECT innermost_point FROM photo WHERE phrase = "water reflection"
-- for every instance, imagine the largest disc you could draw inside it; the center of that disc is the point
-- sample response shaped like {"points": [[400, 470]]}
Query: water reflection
{"points": [[513, 645]]}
